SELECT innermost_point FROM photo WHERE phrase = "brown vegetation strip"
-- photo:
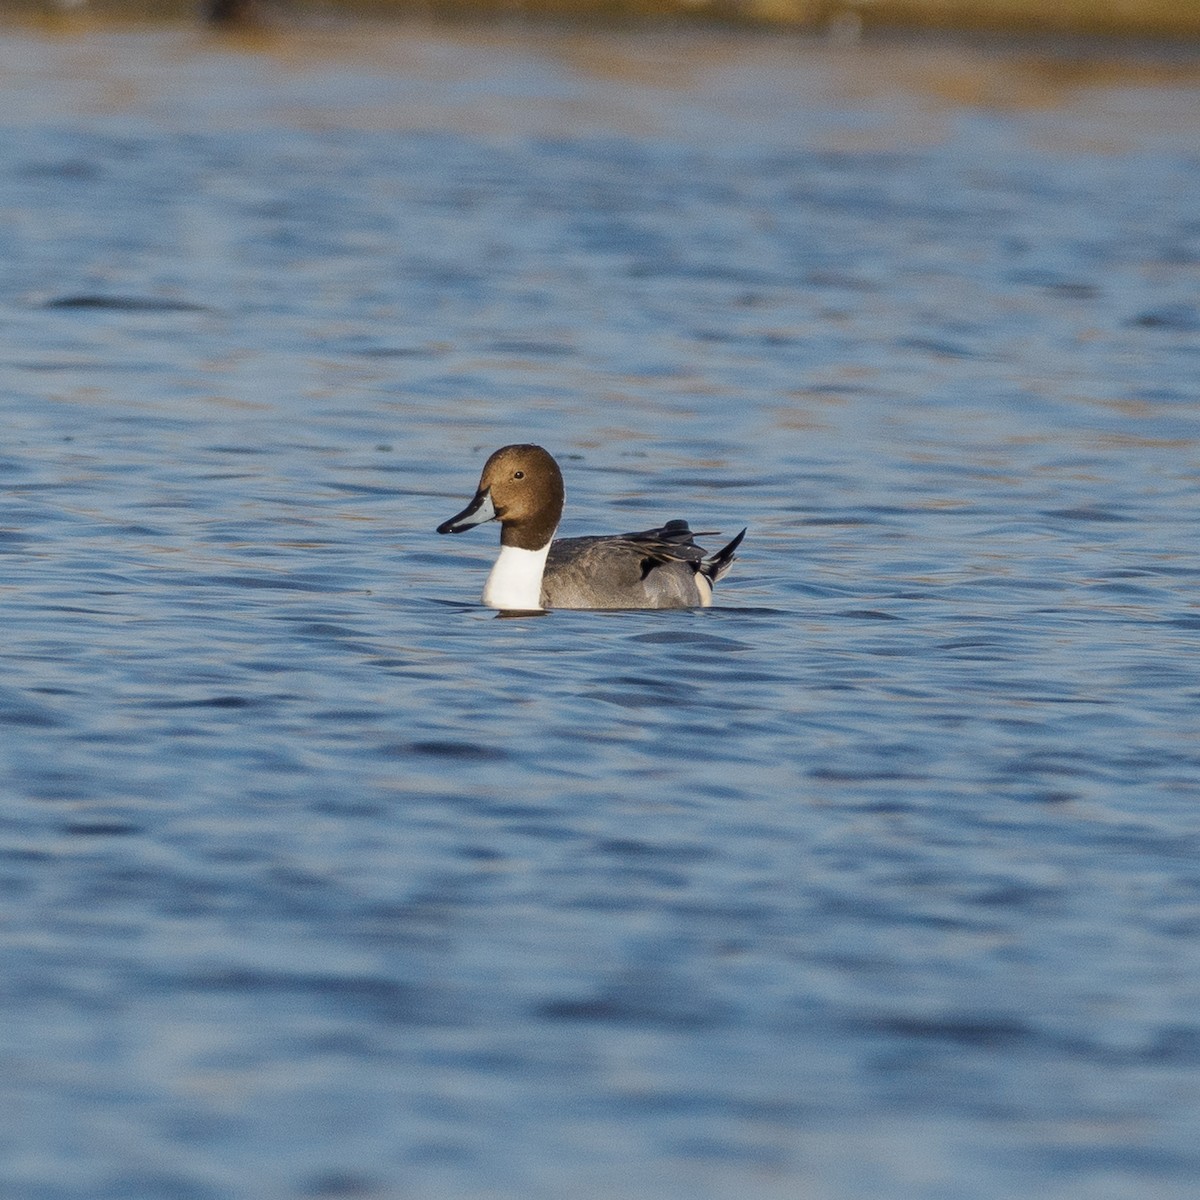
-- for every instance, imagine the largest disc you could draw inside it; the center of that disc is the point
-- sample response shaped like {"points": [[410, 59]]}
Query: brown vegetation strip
{"points": [[848, 18]]}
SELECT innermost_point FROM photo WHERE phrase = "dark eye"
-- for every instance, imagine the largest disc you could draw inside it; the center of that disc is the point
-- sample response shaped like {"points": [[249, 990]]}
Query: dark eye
{"points": [[518, 474]]}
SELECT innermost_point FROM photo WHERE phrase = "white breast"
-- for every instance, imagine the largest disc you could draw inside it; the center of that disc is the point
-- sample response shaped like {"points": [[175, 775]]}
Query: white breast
{"points": [[515, 584]]}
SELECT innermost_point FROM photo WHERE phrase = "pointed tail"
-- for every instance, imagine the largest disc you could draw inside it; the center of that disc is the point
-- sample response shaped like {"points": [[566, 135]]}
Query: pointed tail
{"points": [[716, 565]]}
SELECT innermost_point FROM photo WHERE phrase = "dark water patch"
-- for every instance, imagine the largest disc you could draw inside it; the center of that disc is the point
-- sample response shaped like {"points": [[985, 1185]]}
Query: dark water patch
{"points": [[862, 774], [480, 854], [969, 643], [699, 485], [101, 828], [531, 349], [1055, 284], [1009, 585], [347, 718], [89, 369], [384, 490], [1020, 897], [720, 611], [1087, 512], [1171, 318], [1127, 573], [937, 346], [658, 266], [67, 171], [395, 352], [848, 520], [327, 629], [1124, 589], [391, 1001], [632, 849], [675, 637], [85, 301], [1184, 621], [343, 1185], [1043, 796], [283, 583], [146, 531], [1062, 763], [840, 280], [636, 1009], [464, 751], [634, 698], [26, 715]]}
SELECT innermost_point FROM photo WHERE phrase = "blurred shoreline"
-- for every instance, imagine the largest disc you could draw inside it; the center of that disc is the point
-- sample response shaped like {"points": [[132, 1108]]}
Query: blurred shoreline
{"points": [[844, 20]]}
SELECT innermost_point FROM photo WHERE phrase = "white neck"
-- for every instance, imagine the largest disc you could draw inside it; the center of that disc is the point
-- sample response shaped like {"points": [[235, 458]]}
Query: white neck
{"points": [[515, 584]]}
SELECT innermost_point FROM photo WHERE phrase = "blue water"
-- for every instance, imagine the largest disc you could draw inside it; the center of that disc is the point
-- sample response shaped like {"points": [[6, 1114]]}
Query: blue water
{"points": [[880, 879]]}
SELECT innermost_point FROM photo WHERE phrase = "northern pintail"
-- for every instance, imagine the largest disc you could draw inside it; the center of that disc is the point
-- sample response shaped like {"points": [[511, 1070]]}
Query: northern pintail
{"points": [[522, 488]]}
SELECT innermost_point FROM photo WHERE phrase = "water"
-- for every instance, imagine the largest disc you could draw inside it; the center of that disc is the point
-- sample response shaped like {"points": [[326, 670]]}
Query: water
{"points": [[879, 879]]}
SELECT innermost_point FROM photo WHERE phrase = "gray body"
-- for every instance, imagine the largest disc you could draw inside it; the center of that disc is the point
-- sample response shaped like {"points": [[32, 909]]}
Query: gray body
{"points": [[658, 568]]}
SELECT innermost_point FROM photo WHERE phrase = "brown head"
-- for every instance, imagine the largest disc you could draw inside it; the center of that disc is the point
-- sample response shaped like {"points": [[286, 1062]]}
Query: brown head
{"points": [[521, 487]]}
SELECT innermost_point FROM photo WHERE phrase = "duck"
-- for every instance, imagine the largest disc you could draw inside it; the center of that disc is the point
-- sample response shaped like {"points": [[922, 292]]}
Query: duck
{"points": [[522, 487]]}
